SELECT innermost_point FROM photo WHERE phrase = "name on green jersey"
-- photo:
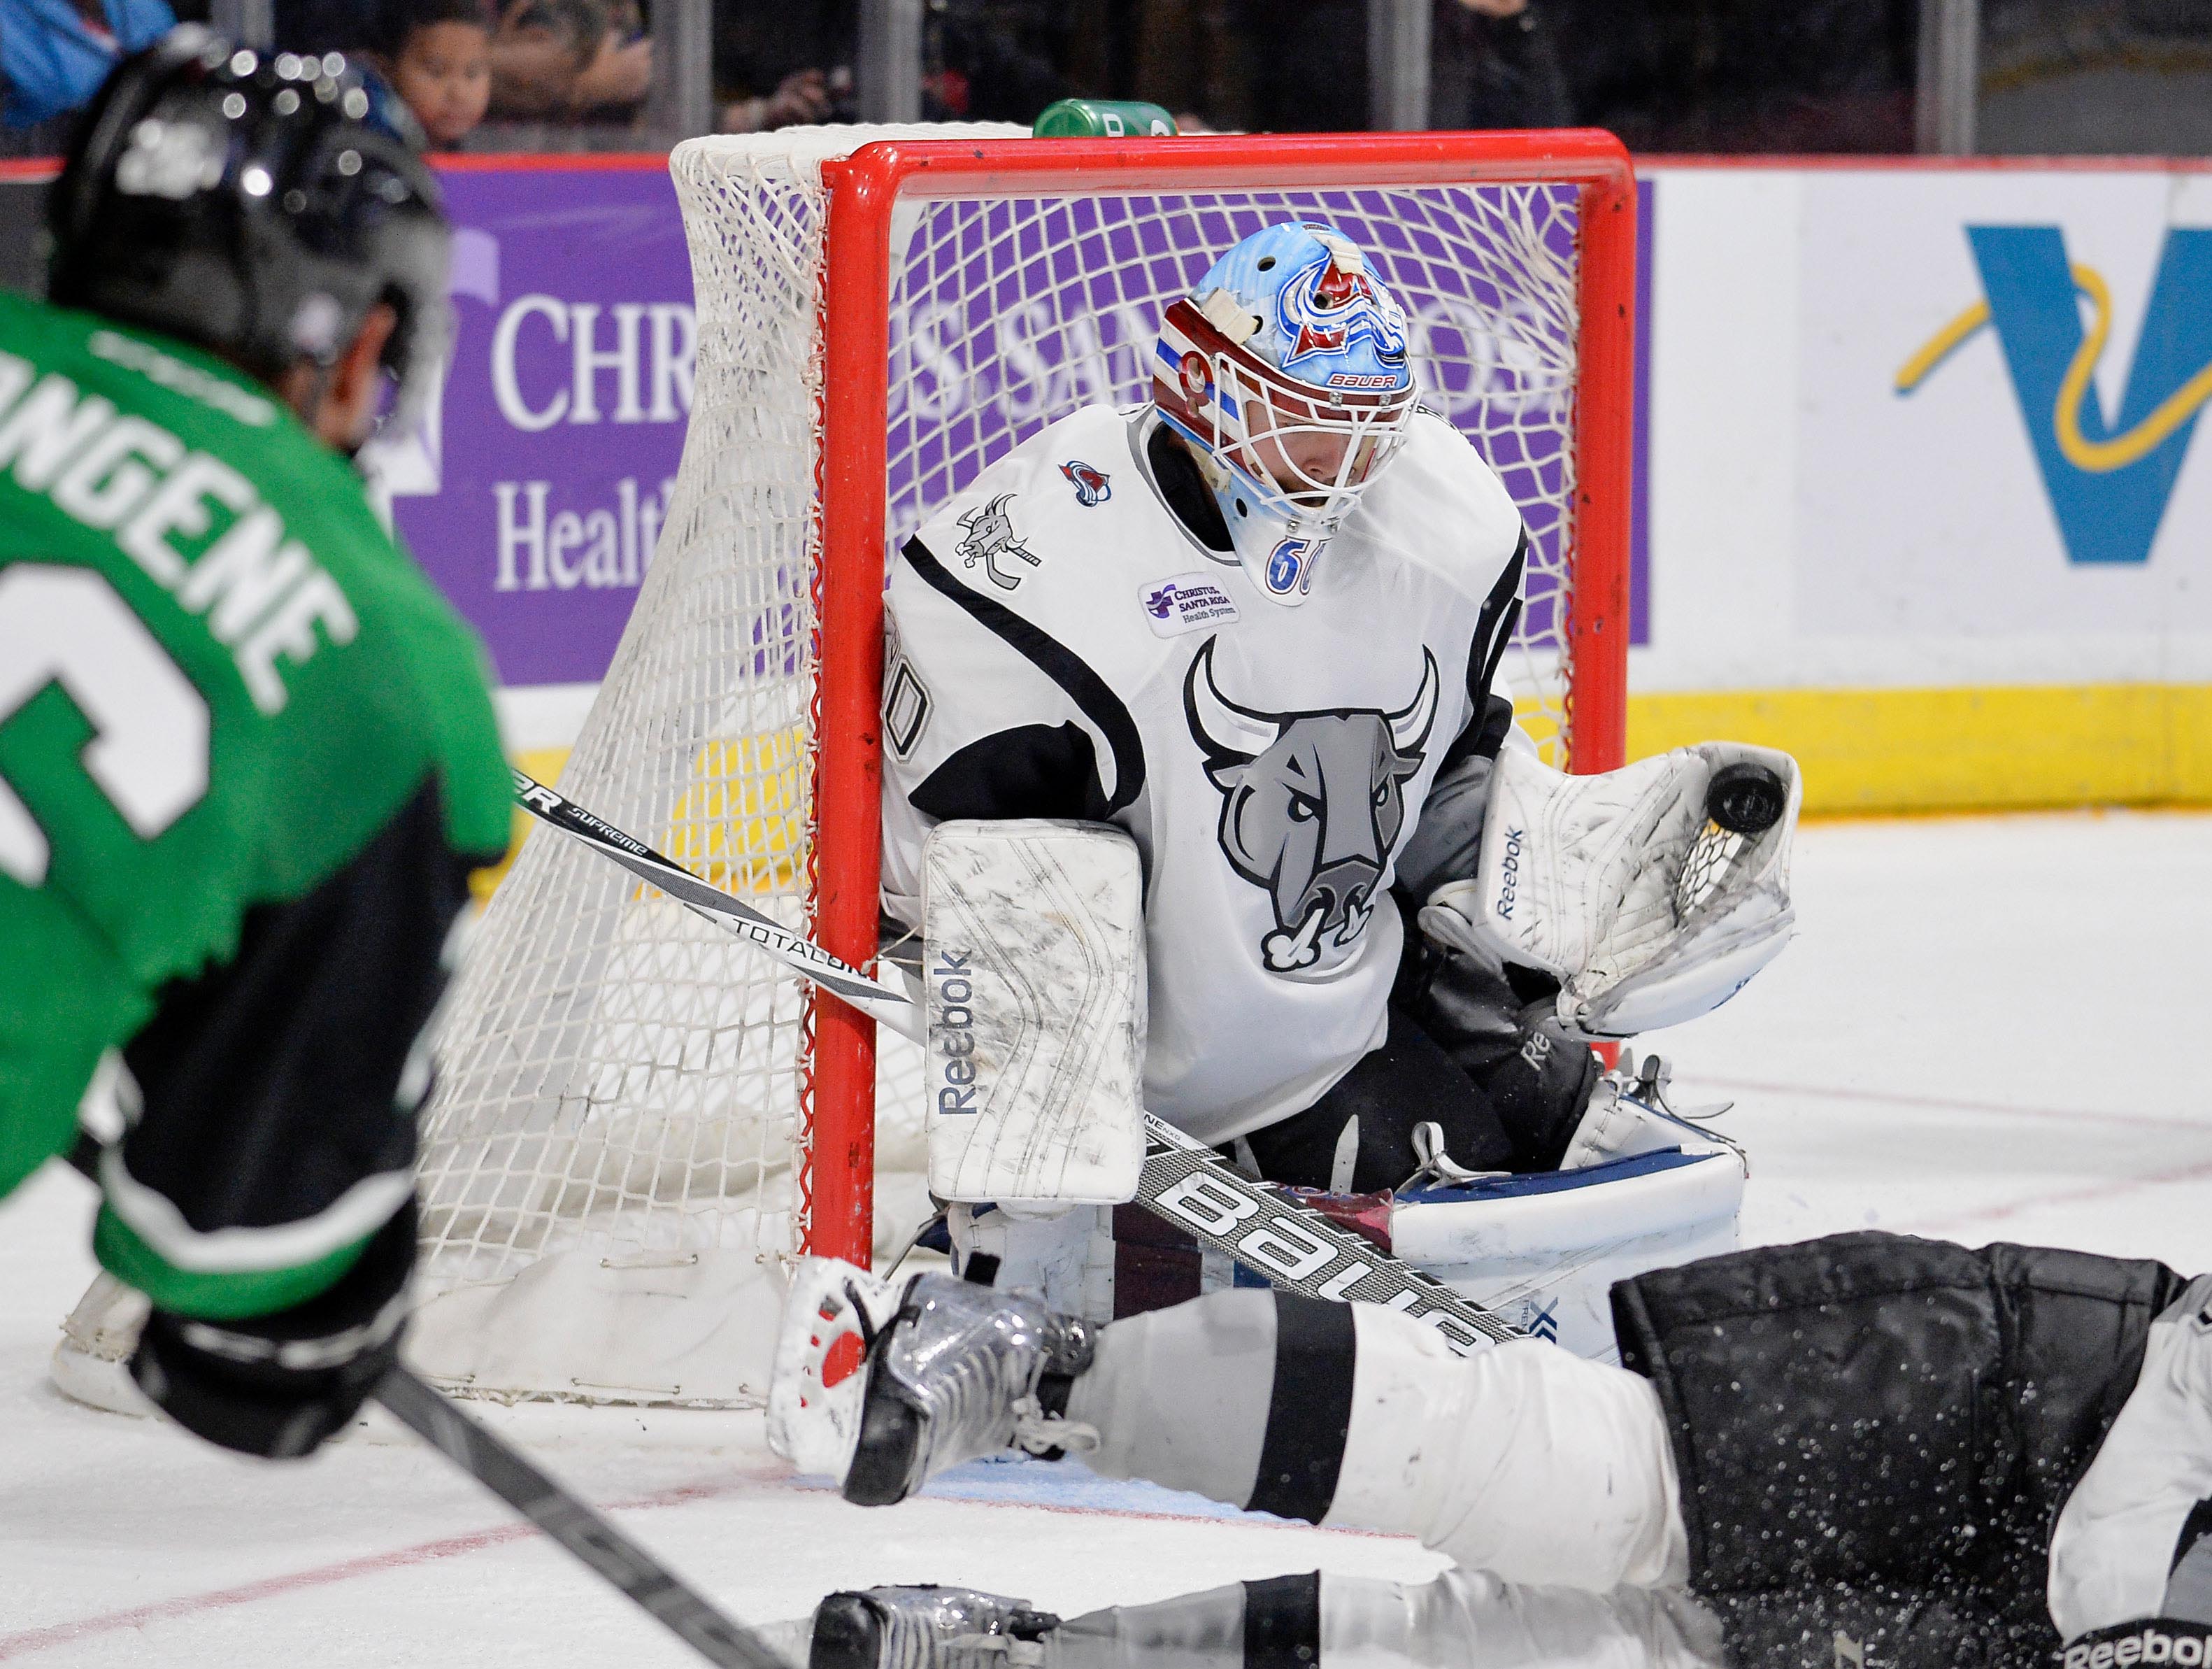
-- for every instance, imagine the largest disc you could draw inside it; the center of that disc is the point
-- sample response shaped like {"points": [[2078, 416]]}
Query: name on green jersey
{"points": [[262, 596]]}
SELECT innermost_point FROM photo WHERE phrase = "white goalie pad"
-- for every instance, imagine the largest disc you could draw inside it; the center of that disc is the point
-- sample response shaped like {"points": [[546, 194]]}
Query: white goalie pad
{"points": [[1033, 943], [1623, 887]]}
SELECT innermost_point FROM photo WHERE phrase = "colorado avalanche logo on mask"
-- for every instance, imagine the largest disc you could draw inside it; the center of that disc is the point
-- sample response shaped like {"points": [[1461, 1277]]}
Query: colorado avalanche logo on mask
{"points": [[1331, 305], [1092, 486]]}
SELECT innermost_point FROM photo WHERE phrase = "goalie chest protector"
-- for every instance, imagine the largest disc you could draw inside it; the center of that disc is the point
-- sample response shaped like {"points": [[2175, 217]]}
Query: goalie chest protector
{"points": [[1060, 643]]}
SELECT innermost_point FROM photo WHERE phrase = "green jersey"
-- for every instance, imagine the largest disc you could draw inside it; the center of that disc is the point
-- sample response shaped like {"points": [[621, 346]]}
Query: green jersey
{"points": [[222, 686]]}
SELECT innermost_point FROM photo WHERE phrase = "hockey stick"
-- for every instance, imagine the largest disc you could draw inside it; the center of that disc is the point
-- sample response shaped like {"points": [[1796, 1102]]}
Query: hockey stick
{"points": [[516, 1479], [1183, 1181]]}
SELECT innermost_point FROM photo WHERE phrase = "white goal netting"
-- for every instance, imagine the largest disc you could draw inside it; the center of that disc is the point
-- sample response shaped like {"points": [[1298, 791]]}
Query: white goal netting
{"points": [[613, 1160]]}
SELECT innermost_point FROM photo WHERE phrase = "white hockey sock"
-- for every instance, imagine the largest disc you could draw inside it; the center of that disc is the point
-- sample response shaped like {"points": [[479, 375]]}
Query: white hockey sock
{"points": [[1526, 1461], [1180, 1396], [1325, 1620]]}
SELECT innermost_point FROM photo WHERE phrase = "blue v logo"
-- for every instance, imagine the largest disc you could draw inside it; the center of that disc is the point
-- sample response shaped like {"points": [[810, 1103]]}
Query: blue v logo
{"points": [[2109, 481]]}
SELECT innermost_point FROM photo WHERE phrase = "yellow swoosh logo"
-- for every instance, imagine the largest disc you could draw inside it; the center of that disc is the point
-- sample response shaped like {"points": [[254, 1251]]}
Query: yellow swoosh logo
{"points": [[2095, 457]]}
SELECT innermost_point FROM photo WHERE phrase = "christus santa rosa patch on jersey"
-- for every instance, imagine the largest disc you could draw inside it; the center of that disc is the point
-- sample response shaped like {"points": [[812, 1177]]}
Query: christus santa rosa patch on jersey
{"points": [[987, 536], [1092, 486], [1188, 602], [1312, 805]]}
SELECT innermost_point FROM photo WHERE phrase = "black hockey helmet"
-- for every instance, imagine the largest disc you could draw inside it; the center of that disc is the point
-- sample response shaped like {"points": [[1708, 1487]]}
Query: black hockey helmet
{"points": [[256, 205]]}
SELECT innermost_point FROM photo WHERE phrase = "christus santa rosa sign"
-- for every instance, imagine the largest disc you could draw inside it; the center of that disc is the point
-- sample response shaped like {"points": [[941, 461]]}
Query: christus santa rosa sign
{"points": [[536, 489]]}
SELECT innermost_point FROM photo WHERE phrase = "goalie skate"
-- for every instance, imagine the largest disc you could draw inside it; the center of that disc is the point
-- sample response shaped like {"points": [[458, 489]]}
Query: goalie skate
{"points": [[952, 1371], [1629, 1114], [926, 1628]]}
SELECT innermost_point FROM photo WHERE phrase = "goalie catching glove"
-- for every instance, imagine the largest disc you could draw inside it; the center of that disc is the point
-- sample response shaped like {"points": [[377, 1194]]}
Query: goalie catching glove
{"points": [[1651, 894]]}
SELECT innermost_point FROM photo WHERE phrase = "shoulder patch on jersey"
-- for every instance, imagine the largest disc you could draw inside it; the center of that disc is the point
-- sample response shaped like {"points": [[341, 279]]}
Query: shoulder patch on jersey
{"points": [[988, 537], [1186, 602], [1092, 486]]}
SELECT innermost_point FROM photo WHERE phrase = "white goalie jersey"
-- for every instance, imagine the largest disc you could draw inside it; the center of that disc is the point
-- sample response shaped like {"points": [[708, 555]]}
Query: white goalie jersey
{"points": [[1061, 645]]}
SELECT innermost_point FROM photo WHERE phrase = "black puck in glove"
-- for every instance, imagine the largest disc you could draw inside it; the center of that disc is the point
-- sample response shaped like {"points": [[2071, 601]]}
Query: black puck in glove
{"points": [[1746, 798]]}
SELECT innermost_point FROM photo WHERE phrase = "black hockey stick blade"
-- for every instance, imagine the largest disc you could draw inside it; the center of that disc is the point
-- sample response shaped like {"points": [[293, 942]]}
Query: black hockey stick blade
{"points": [[1271, 1231], [510, 1475]]}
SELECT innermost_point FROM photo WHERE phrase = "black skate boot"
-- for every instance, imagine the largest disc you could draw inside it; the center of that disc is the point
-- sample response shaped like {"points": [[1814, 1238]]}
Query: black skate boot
{"points": [[949, 1372], [926, 1628]]}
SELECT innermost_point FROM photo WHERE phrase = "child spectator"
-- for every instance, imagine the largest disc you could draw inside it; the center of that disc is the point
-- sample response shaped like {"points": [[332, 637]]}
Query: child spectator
{"points": [[437, 56]]}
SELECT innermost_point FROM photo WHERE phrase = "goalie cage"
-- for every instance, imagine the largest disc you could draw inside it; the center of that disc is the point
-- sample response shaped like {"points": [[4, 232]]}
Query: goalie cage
{"points": [[638, 1118]]}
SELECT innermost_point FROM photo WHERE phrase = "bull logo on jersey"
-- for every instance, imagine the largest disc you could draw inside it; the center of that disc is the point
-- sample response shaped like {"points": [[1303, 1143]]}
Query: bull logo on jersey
{"points": [[1092, 485], [1332, 304], [1312, 804], [988, 535]]}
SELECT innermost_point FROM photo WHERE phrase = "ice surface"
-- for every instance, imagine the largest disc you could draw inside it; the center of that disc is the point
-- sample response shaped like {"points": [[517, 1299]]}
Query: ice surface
{"points": [[1989, 1028]]}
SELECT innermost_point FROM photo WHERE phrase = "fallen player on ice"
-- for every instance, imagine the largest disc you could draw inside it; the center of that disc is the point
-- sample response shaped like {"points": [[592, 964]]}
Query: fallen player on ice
{"points": [[1867, 1449]]}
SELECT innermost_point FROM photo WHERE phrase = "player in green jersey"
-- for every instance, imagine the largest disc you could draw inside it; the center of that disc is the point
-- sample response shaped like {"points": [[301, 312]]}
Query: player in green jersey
{"points": [[247, 757]]}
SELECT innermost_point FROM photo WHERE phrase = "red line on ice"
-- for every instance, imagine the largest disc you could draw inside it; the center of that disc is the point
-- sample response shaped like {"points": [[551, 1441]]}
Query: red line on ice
{"points": [[2101, 1191], [1895, 1098], [372, 1564]]}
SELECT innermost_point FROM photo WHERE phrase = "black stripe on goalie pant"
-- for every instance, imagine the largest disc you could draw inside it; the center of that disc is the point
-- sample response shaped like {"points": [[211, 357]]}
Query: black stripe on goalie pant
{"points": [[1309, 1409], [1282, 1622], [1057, 662]]}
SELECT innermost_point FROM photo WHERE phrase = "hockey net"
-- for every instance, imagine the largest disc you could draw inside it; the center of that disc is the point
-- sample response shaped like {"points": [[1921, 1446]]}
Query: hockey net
{"points": [[639, 1118]]}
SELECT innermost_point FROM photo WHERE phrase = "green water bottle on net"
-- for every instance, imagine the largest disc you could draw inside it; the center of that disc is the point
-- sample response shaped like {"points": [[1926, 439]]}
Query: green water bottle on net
{"points": [[1103, 119]]}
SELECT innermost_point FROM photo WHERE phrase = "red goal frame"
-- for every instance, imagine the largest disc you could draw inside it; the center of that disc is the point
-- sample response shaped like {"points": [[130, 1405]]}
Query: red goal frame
{"points": [[835, 1153]]}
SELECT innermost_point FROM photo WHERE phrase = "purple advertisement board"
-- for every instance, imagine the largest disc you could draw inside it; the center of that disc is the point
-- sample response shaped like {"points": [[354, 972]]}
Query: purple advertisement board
{"points": [[538, 486]]}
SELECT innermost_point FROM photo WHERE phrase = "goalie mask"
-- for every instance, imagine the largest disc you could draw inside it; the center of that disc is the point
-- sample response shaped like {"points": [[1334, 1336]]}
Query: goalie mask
{"points": [[1286, 371]]}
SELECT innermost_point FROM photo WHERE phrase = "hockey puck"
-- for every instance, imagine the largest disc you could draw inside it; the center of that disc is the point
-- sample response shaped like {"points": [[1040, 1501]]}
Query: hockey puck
{"points": [[1746, 798]]}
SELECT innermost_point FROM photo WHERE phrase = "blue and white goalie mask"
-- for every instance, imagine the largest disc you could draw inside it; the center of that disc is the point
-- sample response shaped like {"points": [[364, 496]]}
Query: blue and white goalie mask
{"points": [[1286, 371]]}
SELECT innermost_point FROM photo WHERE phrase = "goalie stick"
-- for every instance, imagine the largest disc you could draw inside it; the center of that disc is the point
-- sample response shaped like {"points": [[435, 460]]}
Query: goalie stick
{"points": [[516, 1479], [1183, 1181]]}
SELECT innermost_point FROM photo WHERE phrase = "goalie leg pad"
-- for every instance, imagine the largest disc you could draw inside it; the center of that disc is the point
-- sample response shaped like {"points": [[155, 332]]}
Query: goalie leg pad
{"points": [[1034, 961]]}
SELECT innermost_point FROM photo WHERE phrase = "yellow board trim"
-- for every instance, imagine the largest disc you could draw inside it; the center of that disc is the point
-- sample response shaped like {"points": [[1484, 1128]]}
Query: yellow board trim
{"points": [[1998, 748], [1976, 749]]}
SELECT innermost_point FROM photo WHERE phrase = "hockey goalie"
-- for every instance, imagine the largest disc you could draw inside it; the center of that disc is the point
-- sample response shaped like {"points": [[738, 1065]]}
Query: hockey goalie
{"points": [[1251, 635]]}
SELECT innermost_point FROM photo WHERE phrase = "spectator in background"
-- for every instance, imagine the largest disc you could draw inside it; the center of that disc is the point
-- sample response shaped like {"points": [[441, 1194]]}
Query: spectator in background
{"points": [[785, 64], [54, 54], [802, 96], [1494, 65], [436, 54], [994, 60], [568, 60]]}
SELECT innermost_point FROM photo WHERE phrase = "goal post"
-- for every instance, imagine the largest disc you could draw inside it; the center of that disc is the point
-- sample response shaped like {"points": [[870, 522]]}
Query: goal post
{"points": [[864, 192], [638, 1120]]}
